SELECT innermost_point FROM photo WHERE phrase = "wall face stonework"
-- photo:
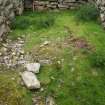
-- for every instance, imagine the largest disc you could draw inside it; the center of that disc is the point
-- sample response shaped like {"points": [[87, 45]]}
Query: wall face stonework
{"points": [[18, 6], [8, 9], [101, 6], [57, 4]]}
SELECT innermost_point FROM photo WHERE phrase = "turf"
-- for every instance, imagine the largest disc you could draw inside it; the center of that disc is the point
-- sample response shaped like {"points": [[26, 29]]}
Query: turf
{"points": [[70, 78]]}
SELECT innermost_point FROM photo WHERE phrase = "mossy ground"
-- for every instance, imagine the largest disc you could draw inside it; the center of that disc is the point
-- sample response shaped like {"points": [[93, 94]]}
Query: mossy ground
{"points": [[72, 81], [11, 92]]}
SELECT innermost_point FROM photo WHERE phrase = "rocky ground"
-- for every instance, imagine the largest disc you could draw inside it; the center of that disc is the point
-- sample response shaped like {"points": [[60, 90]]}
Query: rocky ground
{"points": [[12, 55]]}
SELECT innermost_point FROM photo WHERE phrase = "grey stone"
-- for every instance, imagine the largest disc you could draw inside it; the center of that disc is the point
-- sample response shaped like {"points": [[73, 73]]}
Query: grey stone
{"points": [[45, 61], [50, 101], [30, 80], [33, 67]]}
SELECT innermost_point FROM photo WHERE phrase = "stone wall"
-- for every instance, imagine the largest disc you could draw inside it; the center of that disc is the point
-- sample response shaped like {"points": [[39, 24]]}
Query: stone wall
{"points": [[8, 9], [58, 4], [101, 6], [70, 4]]}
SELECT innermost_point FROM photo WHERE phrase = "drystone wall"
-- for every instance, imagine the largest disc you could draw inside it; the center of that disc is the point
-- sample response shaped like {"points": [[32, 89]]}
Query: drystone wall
{"points": [[8, 9], [101, 6], [58, 4]]}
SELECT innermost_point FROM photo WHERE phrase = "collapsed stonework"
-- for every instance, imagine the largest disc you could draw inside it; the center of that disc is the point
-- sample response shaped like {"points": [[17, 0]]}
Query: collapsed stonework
{"points": [[8, 9]]}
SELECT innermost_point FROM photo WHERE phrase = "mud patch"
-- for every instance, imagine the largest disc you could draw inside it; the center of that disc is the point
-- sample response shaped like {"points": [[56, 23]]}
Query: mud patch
{"points": [[79, 42]]}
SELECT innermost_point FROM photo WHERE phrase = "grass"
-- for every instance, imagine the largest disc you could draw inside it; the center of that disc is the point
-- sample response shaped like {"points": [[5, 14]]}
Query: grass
{"points": [[11, 92], [73, 81]]}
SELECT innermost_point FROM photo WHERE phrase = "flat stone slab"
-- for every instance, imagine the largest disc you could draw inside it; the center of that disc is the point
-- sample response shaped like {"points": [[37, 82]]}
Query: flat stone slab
{"points": [[33, 67], [30, 80]]}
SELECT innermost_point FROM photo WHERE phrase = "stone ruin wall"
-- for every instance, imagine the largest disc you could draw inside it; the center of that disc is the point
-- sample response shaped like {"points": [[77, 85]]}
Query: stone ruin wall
{"points": [[57, 4], [101, 6], [70, 4], [8, 9]]}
